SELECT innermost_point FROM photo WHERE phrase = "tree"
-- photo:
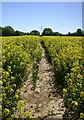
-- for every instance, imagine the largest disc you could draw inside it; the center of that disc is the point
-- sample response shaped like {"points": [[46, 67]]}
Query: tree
{"points": [[34, 32], [27, 33], [79, 32], [1, 31], [7, 31], [56, 33], [47, 31], [18, 33]]}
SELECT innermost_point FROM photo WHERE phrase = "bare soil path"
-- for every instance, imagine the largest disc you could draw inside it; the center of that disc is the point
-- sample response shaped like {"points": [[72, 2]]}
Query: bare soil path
{"points": [[44, 101]]}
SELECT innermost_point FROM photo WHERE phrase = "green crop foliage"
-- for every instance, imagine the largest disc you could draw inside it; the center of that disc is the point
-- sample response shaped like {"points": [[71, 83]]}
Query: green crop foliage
{"points": [[18, 54], [67, 58]]}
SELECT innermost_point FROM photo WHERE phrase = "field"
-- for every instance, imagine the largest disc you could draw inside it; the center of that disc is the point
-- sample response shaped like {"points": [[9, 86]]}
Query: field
{"points": [[22, 55], [67, 59]]}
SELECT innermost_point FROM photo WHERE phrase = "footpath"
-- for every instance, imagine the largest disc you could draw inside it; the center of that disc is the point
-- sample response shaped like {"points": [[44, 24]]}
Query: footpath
{"points": [[45, 101]]}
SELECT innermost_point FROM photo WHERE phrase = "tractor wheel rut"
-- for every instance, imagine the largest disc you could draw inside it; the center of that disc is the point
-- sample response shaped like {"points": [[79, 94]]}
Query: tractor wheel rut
{"points": [[44, 101]]}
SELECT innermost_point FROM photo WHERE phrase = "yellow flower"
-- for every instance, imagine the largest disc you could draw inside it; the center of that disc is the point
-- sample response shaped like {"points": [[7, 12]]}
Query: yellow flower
{"points": [[82, 94], [81, 115], [21, 103], [1, 82], [64, 90], [6, 111], [76, 103], [26, 114]]}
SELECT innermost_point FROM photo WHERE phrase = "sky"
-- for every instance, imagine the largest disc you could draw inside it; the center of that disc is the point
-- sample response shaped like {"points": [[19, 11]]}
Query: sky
{"points": [[61, 17], [83, 16], [41, 0]]}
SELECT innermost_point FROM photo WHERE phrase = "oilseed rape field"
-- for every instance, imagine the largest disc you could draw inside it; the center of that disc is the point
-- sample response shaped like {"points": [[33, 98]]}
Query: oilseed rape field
{"points": [[22, 55]]}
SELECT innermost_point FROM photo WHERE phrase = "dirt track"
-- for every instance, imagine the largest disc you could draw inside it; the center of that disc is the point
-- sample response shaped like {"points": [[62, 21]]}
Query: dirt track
{"points": [[44, 101]]}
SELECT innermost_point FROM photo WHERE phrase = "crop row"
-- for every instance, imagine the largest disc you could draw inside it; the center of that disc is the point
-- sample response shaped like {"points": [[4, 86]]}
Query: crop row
{"points": [[18, 54], [66, 56]]}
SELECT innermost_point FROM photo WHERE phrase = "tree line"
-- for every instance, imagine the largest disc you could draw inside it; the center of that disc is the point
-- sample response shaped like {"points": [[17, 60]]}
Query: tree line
{"points": [[9, 31]]}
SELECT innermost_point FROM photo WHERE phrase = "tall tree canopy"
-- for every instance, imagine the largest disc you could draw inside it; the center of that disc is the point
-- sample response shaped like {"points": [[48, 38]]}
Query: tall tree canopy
{"points": [[1, 31], [79, 32], [47, 31], [34, 32], [7, 31]]}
